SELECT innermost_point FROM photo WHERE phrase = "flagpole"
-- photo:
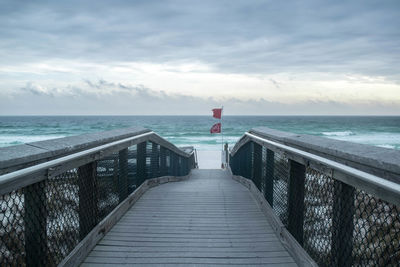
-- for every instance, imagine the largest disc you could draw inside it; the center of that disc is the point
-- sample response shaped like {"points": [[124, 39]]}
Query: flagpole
{"points": [[222, 133], [222, 136]]}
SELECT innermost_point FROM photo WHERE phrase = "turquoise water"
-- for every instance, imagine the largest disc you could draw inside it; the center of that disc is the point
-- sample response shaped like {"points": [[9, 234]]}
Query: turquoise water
{"points": [[194, 130]]}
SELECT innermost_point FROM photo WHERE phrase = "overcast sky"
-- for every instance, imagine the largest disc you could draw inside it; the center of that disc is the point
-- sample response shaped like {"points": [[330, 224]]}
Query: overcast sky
{"points": [[186, 57]]}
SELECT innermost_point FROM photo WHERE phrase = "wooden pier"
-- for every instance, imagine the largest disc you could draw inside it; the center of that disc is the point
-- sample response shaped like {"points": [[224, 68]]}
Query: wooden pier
{"points": [[130, 197], [209, 219]]}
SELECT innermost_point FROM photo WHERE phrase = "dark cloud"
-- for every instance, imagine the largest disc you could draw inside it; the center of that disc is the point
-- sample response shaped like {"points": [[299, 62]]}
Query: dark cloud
{"points": [[233, 36], [38, 90], [275, 83]]}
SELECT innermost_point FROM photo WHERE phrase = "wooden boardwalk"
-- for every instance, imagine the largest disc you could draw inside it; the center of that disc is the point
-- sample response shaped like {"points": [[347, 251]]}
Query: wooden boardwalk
{"points": [[208, 219]]}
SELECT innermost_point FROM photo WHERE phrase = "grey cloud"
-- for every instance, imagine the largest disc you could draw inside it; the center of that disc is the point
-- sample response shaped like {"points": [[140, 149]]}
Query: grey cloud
{"points": [[38, 90], [275, 83], [77, 101], [234, 36]]}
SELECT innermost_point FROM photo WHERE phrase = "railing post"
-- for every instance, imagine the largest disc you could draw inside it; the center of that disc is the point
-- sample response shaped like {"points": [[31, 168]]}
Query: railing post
{"points": [[163, 161], [116, 169], [188, 165], [174, 164], [248, 161], [35, 224], [154, 160], [180, 165], [141, 162], [342, 224], [269, 178], [123, 174], [257, 165], [87, 198], [239, 162], [297, 174], [169, 168], [232, 164]]}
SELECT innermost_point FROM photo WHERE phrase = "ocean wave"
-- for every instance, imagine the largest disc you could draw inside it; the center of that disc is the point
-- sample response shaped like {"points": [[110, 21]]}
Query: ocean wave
{"points": [[383, 139], [340, 133], [7, 140], [388, 146]]}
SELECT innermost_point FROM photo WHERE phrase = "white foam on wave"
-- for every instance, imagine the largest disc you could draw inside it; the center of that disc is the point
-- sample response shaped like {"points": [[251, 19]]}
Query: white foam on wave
{"points": [[387, 146], [381, 139], [9, 140], [340, 133]]}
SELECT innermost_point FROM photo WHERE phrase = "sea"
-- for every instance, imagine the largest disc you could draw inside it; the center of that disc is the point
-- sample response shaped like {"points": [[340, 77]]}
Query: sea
{"points": [[382, 131]]}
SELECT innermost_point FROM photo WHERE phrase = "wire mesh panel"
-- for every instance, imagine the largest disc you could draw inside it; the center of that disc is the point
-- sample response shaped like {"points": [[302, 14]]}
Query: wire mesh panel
{"points": [[107, 185], [43, 222], [376, 240], [318, 211], [63, 217], [12, 229], [132, 169], [337, 224], [281, 186]]}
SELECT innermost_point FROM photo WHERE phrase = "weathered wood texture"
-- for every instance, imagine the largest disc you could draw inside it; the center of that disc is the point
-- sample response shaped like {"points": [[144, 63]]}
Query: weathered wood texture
{"points": [[79, 253], [208, 219], [300, 255], [379, 161], [21, 156]]}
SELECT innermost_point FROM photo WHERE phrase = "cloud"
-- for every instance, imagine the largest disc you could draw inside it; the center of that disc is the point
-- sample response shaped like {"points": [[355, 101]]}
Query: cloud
{"points": [[275, 83], [38, 90], [140, 100], [164, 52], [240, 36]]}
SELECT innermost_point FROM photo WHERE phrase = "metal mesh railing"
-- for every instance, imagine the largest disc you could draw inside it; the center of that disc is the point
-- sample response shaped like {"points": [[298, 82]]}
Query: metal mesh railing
{"points": [[336, 223], [42, 223]]}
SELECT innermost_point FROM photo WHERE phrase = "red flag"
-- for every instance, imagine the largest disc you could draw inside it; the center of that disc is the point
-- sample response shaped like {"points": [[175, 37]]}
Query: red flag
{"points": [[217, 113], [216, 128]]}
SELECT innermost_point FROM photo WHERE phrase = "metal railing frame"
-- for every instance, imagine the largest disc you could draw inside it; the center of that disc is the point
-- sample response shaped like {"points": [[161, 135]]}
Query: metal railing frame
{"points": [[348, 179], [380, 187], [28, 177]]}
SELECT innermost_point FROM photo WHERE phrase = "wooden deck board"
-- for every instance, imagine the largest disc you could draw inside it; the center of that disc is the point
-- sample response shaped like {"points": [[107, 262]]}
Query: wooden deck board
{"points": [[208, 220]]}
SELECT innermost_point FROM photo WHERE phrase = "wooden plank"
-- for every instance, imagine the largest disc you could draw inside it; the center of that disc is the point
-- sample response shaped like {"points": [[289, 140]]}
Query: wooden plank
{"points": [[188, 239], [78, 254], [376, 160], [190, 254], [300, 255], [20, 156], [209, 261], [225, 244], [183, 230], [286, 264], [209, 220], [271, 246], [193, 224], [230, 236]]}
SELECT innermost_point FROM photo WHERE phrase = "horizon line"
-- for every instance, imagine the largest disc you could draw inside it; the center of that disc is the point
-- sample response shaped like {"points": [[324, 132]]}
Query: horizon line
{"points": [[201, 115]]}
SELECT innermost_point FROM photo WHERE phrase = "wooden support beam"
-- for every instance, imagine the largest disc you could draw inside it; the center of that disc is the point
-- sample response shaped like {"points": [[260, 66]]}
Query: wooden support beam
{"points": [[342, 224], [88, 210], [154, 161], [257, 165], [123, 174], [163, 161], [35, 224], [297, 174], [141, 163]]}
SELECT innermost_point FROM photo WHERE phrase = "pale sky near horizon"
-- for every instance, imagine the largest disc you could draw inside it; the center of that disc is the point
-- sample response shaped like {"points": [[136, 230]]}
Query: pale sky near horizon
{"points": [[186, 57]]}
